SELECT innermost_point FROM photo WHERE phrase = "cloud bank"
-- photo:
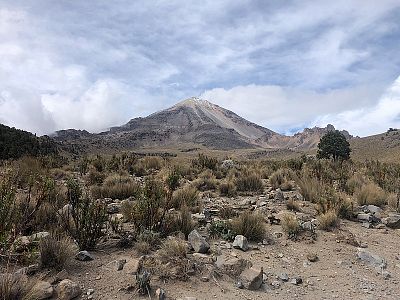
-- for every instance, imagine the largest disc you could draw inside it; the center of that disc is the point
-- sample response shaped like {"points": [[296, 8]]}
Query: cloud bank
{"points": [[283, 64]]}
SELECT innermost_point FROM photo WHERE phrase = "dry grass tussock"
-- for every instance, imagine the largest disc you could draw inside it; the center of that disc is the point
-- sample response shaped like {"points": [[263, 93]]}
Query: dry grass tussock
{"points": [[15, 286], [187, 196], [251, 225], [117, 187], [55, 251], [249, 181], [291, 225], [328, 220], [281, 179], [371, 193]]}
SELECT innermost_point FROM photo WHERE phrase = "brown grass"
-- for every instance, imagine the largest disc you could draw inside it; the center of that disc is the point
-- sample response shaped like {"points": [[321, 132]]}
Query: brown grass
{"points": [[394, 201], [290, 225], [249, 182], [187, 196], [251, 225], [117, 187], [55, 251], [371, 193], [172, 248], [228, 189], [293, 205], [329, 220], [14, 286]]}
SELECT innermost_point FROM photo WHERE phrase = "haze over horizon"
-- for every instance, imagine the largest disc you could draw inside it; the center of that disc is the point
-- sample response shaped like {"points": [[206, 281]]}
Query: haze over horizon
{"points": [[284, 65]]}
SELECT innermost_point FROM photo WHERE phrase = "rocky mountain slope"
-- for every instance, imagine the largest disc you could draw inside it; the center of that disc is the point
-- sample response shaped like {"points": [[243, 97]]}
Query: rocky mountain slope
{"points": [[196, 122]]}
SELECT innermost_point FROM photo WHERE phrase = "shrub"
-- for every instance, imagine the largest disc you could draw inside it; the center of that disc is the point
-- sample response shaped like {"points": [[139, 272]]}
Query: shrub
{"points": [[227, 212], [152, 162], [328, 220], [14, 286], [249, 182], [172, 248], [371, 193], [55, 251], [117, 187], [354, 183], [310, 188], [334, 145], [205, 162], [95, 177], [85, 219], [280, 179], [221, 229], [151, 207], [8, 212], [291, 225], [292, 205], [251, 225], [143, 248], [206, 181], [394, 201], [228, 189], [184, 221], [188, 196]]}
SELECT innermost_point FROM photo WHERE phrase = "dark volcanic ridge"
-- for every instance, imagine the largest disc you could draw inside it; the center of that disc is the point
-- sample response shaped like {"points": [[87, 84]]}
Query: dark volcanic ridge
{"points": [[192, 121]]}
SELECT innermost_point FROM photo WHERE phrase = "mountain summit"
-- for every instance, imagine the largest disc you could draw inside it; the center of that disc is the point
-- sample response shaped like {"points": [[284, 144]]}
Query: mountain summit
{"points": [[193, 121]]}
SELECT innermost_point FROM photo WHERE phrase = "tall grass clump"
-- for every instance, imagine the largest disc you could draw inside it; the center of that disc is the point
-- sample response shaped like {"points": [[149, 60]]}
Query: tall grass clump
{"points": [[251, 225], [117, 187], [281, 179], [249, 181], [187, 196], [291, 225], [328, 220], [228, 189], [371, 193], [55, 251]]}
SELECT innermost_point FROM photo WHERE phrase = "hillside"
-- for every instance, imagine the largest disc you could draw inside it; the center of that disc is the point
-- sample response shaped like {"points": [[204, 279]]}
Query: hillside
{"points": [[15, 143]]}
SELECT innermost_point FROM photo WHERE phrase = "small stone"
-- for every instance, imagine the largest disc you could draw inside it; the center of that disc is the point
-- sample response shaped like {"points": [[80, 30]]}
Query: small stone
{"points": [[393, 221], [252, 278], [363, 217], [296, 280], [279, 196], [283, 277], [117, 265], [83, 256], [239, 285], [312, 257], [197, 242], [240, 242], [67, 290], [90, 292], [38, 236], [366, 225], [276, 284], [161, 294]]}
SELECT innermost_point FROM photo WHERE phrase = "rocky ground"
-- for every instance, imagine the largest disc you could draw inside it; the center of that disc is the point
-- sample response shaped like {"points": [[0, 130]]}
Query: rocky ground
{"points": [[360, 260]]}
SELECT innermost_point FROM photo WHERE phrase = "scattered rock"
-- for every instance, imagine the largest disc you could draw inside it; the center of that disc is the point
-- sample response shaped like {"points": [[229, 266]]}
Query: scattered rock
{"points": [[363, 217], [276, 284], [90, 292], [117, 265], [296, 280], [366, 225], [67, 290], [312, 257], [371, 259], [39, 235], [393, 221], [113, 208], [252, 278], [240, 242], [283, 277], [42, 290], [161, 295], [374, 209], [279, 196], [83, 256], [230, 265], [197, 242]]}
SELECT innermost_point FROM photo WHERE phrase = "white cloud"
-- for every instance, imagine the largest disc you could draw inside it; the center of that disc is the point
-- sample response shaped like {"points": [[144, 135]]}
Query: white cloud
{"points": [[369, 120], [283, 108]]}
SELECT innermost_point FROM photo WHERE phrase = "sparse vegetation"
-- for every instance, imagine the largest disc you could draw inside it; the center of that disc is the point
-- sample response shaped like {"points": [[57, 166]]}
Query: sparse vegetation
{"points": [[187, 196], [371, 193], [55, 251], [249, 182], [328, 220], [251, 225], [291, 226]]}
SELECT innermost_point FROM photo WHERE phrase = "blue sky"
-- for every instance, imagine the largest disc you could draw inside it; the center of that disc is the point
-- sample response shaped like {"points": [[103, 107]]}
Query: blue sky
{"points": [[282, 64]]}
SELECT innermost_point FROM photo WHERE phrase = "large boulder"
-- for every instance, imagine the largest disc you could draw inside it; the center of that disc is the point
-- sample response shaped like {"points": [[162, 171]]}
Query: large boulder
{"points": [[240, 242], [67, 290], [251, 278], [198, 243]]}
